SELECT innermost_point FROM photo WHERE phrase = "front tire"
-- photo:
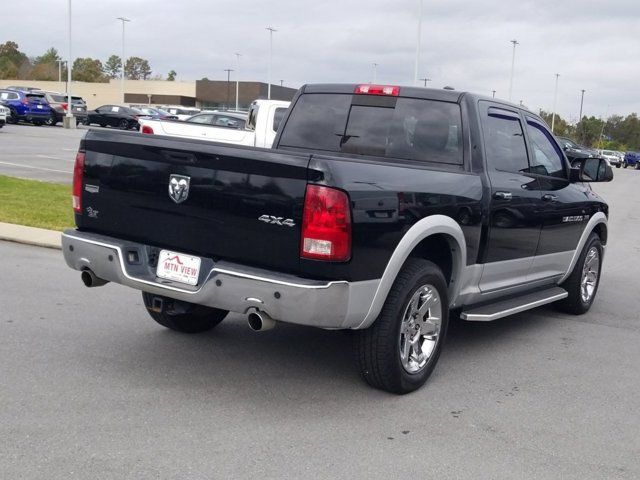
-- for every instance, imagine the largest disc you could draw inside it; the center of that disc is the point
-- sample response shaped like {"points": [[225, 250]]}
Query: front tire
{"points": [[181, 316], [13, 117], [123, 124], [400, 350], [584, 280], [52, 120]]}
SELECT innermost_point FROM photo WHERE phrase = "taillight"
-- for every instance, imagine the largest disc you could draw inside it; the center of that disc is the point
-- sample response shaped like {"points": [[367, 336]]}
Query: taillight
{"points": [[147, 129], [64, 106], [25, 101], [326, 225], [78, 174], [367, 89]]}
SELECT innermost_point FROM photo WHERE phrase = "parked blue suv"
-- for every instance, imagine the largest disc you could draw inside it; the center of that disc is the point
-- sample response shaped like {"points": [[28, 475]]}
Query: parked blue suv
{"points": [[632, 159], [26, 106]]}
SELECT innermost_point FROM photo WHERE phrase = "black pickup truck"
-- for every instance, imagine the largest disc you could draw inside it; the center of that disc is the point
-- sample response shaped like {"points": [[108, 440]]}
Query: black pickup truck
{"points": [[379, 209]]}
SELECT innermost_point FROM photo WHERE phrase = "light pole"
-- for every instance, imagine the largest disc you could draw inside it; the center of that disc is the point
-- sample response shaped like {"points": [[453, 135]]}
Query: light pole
{"points": [[493, 93], [513, 64], [425, 80], [124, 20], [604, 122], [237, 78], [555, 100], [68, 120], [228, 70], [416, 65], [375, 72], [271, 30], [580, 118], [281, 82]]}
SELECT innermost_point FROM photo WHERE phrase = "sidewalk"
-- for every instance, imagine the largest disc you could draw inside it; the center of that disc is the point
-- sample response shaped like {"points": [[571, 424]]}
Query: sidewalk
{"points": [[30, 235]]}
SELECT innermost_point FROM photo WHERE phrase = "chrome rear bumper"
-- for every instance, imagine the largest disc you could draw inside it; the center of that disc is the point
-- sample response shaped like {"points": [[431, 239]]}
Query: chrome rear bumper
{"points": [[224, 285]]}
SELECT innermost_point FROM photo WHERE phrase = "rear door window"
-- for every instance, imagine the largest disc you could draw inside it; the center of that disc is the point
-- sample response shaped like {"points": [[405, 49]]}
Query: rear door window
{"points": [[278, 115], [504, 141], [201, 119], [392, 127]]}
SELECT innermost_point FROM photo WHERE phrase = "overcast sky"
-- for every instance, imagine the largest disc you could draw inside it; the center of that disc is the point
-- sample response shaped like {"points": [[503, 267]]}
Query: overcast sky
{"points": [[593, 45]]}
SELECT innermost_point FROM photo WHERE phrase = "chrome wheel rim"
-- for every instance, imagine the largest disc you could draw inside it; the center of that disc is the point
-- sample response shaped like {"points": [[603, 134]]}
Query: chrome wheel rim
{"points": [[590, 271], [420, 329]]}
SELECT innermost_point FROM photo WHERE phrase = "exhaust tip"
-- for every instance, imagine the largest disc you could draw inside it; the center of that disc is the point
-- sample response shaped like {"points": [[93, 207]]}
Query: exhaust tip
{"points": [[90, 280], [260, 321]]}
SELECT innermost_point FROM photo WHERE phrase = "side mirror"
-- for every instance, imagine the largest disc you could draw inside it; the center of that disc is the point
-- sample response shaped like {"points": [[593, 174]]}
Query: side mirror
{"points": [[591, 170]]}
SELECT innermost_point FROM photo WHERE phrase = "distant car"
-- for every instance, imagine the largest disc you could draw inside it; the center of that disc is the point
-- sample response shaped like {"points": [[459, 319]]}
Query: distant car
{"points": [[632, 159], [118, 116], [219, 119], [59, 105], [26, 106], [181, 112], [156, 113], [611, 157], [4, 113], [574, 151]]}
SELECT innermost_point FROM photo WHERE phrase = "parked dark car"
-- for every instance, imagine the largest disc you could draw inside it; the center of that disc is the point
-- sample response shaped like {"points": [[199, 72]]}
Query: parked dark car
{"points": [[632, 159], [218, 119], [125, 118], [26, 106], [156, 113], [59, 103], [575, 151]]}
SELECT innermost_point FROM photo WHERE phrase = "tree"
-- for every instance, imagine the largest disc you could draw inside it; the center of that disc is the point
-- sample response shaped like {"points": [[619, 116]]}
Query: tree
{"points": [[137, 68], [561, 127], [113, 66], [13, 63], [45, 67], [87, 70], [171, 76]]}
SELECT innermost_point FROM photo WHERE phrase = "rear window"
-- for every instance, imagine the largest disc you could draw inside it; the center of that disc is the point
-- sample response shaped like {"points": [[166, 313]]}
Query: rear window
{"points": [[59, 98], [407, 128], [35, 98]]}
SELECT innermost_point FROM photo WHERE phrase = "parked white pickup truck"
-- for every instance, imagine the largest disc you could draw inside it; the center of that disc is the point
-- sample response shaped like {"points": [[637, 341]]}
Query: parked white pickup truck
{"points": [[260, 130]]}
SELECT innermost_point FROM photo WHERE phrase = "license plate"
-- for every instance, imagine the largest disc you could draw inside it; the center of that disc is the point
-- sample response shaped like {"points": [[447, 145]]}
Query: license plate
{"points": [[39, 106], [80, 109], [178, 267]]}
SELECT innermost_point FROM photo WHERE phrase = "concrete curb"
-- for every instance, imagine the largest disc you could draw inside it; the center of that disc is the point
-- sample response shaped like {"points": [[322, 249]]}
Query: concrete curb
{"points": [[30, 235]]}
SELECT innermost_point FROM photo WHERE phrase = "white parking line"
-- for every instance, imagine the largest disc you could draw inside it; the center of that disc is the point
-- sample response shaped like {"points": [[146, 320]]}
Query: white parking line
{"points": [[51, 157], [34, 168]]}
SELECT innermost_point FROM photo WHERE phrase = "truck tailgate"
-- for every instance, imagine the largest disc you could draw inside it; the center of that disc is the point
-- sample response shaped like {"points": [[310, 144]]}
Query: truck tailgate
{"points": [[242, 204]]}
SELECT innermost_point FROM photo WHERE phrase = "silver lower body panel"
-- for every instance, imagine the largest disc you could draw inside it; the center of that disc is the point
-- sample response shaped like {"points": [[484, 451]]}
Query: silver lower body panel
{"points": [[226, 285]]}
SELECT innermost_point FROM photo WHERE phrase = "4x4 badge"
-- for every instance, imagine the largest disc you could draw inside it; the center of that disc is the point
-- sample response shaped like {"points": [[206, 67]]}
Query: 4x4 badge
{"points": [[179, 187], [285, 222]]}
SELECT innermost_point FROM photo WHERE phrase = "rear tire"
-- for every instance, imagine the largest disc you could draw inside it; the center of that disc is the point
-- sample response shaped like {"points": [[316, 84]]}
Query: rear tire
{"points": [[52, 120], [192, 319], [103, 125], [409, 315], [584, 280], [123, 124]]}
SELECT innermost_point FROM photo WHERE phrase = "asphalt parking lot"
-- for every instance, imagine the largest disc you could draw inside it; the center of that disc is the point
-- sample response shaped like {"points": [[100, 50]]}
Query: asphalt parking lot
{"points": [[90, 387], [39, 153]]}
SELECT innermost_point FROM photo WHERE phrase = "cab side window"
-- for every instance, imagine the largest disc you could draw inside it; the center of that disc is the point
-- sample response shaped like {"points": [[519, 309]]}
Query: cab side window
{"points": [[504, 141], [547, 158]]}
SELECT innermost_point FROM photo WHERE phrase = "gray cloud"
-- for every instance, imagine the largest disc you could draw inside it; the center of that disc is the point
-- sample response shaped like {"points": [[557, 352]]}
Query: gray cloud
{"points": [[593, 45]]}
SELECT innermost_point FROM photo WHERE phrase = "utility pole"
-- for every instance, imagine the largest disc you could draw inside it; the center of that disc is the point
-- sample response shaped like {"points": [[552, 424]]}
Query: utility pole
{"points": [[513, 64], [375, 72], [237, 78], [555, 101], [123, 20], [425, 80], [493, 92], [580, 118], [271, 30], [68, 120], [228, 70], [281, 82], [416, 65]]}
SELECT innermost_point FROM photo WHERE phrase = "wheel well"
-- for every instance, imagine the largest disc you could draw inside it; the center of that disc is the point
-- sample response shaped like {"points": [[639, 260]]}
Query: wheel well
{"points": [[437, 249], [601, 230]]}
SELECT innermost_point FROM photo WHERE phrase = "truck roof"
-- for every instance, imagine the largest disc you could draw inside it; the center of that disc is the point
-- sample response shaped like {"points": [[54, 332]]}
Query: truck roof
{"points": [[406, 91]]}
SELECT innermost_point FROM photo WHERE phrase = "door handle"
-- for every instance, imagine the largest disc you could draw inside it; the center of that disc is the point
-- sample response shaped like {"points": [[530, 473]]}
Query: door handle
{"points": [[503, 195], [549, 198]]}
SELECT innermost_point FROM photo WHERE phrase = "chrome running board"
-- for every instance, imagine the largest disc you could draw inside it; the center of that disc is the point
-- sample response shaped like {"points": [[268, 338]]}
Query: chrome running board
{"points": [[504, 308]]}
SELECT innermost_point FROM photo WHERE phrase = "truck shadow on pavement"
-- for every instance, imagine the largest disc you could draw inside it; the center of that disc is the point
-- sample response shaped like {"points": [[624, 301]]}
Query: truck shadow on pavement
{"points": [[294, 361]]}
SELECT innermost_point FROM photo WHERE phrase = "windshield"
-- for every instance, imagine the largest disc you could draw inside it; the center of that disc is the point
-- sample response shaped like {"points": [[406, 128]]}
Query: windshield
{"points": [[392, 127]]}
